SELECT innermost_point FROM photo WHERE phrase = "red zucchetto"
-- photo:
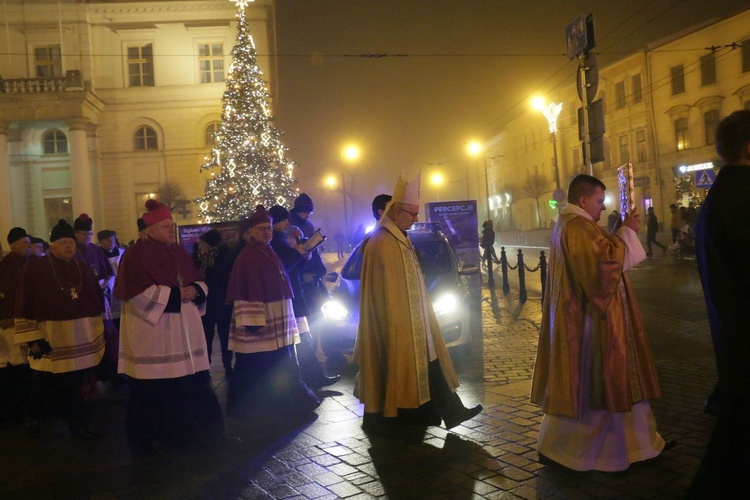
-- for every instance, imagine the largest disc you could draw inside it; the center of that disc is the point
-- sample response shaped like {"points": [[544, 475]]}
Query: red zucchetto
{"points": [[157, 212]]}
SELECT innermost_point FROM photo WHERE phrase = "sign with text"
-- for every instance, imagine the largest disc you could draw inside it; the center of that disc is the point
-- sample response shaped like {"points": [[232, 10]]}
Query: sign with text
{"points": [[458, 221], [188, 235]]}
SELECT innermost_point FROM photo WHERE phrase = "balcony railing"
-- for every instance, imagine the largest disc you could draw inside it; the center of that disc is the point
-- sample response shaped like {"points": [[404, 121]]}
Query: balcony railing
{"points": [[71, 81]]}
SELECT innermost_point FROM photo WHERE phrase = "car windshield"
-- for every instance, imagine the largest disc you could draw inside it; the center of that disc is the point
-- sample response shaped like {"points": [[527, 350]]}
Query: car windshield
{"points": [[435, 258], [434, 255]]}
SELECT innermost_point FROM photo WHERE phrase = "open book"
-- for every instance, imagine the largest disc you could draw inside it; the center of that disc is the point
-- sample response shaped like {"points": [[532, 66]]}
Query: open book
{"points": [[313, 241]]}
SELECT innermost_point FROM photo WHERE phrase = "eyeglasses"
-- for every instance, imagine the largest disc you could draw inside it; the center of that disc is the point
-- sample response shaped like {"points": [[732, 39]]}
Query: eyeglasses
{"points": [[413, 214]]}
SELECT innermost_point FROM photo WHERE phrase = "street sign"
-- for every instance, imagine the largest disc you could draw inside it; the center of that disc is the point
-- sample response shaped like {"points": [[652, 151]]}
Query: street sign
{"points": [[589, 66], [704, 178], [579, 35]]}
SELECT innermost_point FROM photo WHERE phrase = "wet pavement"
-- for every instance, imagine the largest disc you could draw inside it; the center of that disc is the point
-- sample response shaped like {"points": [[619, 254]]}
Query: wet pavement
{"points": [[329, 456]]}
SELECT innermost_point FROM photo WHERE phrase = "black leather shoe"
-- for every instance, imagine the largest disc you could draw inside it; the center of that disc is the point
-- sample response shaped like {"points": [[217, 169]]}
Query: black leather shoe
{"points": [[669, 444], [84, 433], [326, 381], [461, 416]]}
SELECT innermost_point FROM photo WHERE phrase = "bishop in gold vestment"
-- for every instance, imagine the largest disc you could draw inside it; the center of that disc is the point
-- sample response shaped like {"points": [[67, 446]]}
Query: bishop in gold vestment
{"points": [[594, 373], [402, 358]]}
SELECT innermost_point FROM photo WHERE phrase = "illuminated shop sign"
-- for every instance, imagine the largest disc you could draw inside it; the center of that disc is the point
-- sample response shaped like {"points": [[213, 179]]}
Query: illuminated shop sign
{"points": [[693, 168]]}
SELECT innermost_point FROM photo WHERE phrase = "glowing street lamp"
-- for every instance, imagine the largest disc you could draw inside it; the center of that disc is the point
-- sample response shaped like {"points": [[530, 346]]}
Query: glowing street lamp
{"points": [[437, 179], [550, 111]]}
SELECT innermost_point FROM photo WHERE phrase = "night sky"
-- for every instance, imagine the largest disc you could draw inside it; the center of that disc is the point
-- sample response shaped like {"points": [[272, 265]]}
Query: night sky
{"points": [[456, 70]]}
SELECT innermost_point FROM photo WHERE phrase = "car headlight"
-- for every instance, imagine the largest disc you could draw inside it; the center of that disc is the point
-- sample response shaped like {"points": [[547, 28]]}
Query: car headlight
{"points": [[334, 309], [445, 303]]}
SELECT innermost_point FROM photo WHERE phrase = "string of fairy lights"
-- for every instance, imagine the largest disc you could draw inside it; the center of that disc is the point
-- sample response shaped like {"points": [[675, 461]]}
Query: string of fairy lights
{"points": [[248, 162]]}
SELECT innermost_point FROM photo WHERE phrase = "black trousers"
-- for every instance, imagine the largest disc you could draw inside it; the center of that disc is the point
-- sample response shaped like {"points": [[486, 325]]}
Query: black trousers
{"points": [[268, 382], [62, 395], [310, 370], [443, 403], [179, 412], [218, 321], [15, 386]]}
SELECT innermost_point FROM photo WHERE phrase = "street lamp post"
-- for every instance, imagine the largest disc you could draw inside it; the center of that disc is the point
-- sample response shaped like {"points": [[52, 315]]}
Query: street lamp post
{"points": [[474, 149], [551, 111], [349, 154]]}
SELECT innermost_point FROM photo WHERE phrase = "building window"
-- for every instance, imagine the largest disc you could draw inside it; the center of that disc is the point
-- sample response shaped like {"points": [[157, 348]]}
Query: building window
{"points": [[48, 61], [637, 88], [211, 62], [708, 69], [640, 144], [678, 79], [56, 209], [710, 122], [620, 95], [624, 147], [681, 133], [746, 56], [141, 66], [210, 133], [54, 142], [145, 139]]}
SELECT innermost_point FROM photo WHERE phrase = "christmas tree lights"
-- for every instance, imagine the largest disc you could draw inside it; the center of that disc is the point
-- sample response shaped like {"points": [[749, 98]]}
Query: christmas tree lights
{"points": [[248, 162]]}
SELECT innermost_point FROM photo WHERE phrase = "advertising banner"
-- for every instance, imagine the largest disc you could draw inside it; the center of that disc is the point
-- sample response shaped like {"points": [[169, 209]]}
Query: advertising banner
{"points": [[188, 235], [458, 221], [460, 224]]}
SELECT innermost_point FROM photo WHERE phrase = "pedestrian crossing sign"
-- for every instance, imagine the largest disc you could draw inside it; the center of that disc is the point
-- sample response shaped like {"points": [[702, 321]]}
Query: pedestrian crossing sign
{"points": [[705, 178]]}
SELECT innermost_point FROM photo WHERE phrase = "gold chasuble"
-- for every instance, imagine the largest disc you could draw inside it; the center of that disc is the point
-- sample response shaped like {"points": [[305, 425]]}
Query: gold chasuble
{"points": [[398, 333], [592, 298]]}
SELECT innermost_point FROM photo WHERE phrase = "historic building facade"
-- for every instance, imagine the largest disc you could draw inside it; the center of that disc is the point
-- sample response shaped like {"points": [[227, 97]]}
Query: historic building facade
{"points": [[101, 103], [661, 107]]}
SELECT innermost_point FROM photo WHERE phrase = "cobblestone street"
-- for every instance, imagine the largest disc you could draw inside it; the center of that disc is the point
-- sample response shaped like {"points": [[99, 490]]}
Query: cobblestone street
{"points": [[329, 456]]}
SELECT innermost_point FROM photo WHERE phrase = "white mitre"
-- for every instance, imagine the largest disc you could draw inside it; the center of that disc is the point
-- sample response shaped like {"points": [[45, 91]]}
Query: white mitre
{"points": [[407, 192]]}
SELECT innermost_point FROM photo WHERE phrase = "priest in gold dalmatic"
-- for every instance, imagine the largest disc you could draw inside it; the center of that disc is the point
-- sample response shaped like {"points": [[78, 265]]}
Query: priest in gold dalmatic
{"points": [[405, 373], [594, 373]]}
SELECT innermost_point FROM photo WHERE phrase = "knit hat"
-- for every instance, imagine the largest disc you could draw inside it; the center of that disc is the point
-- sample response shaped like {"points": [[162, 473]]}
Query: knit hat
{"points": [[278, 213], [106, 233], [212, 237], [16, 234], [83, 223], [303, 203], [157, 212], [258, 217], [141, 224], [62, 230]]}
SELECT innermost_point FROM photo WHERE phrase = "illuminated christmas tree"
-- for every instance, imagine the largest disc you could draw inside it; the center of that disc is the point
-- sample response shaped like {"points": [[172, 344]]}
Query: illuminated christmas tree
{"points": [[248, 163]]}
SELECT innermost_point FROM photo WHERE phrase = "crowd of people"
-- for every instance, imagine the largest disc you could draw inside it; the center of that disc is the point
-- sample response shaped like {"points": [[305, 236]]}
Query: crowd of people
{"points": [[144, 318], [84, 312]]}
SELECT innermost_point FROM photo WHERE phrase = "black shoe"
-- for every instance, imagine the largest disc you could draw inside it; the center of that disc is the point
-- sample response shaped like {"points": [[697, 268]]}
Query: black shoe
{"points": [[33, 428], [326, 381], [84, 433], [461, 416]]}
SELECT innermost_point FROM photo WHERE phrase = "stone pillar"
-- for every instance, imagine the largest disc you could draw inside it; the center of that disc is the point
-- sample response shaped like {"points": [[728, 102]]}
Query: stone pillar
{"points": [[81, 176], [6, 200]]}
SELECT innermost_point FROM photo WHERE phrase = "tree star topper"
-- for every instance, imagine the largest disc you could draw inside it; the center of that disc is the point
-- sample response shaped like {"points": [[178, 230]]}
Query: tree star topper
{"points": [[241, 3]]}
